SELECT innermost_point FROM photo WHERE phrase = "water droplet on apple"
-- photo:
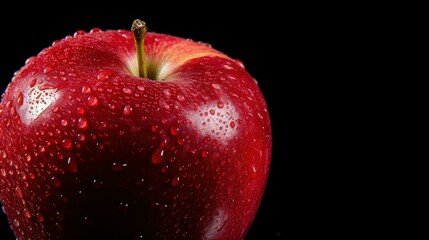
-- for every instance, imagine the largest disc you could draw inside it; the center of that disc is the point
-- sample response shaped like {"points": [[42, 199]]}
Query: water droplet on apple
{"points": [[123, 206], [216, 86], [119, 166], [27, 213], [95, 30], [140, 87], [29, 60], [232, 124], [66, 143], [3, 172], [9, 104], [40, 218], [81, 110], [92, 101], [42, 149], [81, 137], [97, 184], [180, 141], [167, 92], [220, 105], [78, 33], [154, 128], [64, 123], [47, 70], [127, 91], [55, 109], [175, 181], [16, 222], [28, 157], [174, 130], [19, 100], [204, 154], [55, 182], [128, 110], [82, 123], [158, 155], [240, 63], [32, 82], [212, 112], [86, 89], [71, 165], [227, 67], [180, 97], [104, 75]]}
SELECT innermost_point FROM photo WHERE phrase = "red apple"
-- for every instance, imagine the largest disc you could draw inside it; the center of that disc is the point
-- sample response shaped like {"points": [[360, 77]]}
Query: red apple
{"points": [[98, 141]]}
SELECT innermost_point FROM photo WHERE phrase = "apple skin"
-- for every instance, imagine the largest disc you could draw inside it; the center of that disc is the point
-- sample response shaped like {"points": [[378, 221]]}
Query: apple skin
{"points": [[88, 150]]}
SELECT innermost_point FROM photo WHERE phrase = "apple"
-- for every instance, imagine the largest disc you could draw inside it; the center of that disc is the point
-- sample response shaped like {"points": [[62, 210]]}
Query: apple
{"points": [[132, 135]]}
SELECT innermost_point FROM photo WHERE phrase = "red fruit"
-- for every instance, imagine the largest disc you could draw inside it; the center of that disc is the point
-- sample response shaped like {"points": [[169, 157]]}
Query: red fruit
{"points": [[90, 150]]}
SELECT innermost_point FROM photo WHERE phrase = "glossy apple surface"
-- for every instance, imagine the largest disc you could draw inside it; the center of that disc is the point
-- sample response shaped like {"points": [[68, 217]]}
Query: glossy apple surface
{"points": [[88, 150]]}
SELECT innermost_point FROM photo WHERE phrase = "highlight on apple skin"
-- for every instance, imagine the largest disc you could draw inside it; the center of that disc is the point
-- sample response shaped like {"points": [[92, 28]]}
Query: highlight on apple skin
{"points": [[132, 135]]}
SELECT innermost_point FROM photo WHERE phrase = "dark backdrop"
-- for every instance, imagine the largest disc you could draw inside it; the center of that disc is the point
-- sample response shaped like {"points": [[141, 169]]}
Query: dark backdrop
{"points": [[265, 38]]}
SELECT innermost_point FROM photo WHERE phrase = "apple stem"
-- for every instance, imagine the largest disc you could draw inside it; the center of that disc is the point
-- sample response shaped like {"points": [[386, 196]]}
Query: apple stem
{"points": [[139, 30]]}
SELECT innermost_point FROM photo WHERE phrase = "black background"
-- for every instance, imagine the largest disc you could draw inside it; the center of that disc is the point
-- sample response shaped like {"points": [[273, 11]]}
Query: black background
{"points": [[272, 41]]}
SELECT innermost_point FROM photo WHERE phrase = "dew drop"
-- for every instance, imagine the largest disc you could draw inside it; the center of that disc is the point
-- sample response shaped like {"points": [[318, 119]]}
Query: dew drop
{"points": [[47, 70], [27, 213], [71, 165], [82, 123], [66, 143], [119, 166], [78, 32], [81, 137], [95, 30], [216, 86], [16, 222], [154, 128], [127, 91], [239, 63], [19, 191], [92, 101], [227, 67], [140, 87], [33, 82], [104, 75], [180, 97], [42, 149], [212, 112], [86, 89], [81, 110], [205, 154], [55, 182], [128, 110], [175, 181], [40, 218], [167, 92], [232, 124], [19, 100], [55, 109], [174, 130], [64, 123], [180, 141], [9, 104], [220, 104], [97, 184], [158, 155]]}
